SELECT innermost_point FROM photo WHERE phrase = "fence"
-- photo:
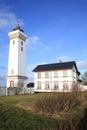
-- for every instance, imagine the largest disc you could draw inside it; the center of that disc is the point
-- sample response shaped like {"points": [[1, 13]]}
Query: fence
{"points": [[5, 92], [2, 91]]}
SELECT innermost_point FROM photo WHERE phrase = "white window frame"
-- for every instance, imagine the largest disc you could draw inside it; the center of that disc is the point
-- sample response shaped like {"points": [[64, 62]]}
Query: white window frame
{"points": [[56, 85], [64, 73], [39, 85], [46, 74], [21, 43], [65, 86], [55, 74], [13, 42], [39, 75], [21, 48], [47, 86]]}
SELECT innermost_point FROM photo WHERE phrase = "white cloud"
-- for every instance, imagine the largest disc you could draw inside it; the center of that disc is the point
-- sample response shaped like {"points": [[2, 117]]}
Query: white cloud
{"points": [[82, 64], [35, 43], [30, 73], [7, 18], [64, 58], [30, 68], [3, 67], [34, 39], [2, 81], [2, 77]]}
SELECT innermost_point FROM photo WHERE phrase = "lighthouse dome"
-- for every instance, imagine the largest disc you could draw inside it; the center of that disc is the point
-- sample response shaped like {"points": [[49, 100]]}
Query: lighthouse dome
{"points": [[18, 28]]}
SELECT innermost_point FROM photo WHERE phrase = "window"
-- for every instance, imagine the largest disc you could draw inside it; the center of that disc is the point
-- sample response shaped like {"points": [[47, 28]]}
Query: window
{"points": [[21, 48], [39, 75], [11, 83], [55, 74], [22, 85], [13, 42], [22, 43], [12, 71], [56, 85], [46, 74], [64, 73], [47, 85], [38, 85], [65, 86]]}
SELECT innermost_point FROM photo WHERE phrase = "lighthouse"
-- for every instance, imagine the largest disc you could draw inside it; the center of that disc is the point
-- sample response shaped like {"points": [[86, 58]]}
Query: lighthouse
{"points": [[16, 76]]}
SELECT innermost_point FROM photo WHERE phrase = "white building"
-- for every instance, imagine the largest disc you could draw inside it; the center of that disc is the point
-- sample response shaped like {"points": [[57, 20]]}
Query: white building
{"points": [[17, 58], [57, 77]]}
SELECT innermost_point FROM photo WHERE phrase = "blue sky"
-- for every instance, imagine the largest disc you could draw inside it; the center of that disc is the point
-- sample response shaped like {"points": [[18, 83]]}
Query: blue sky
{"points": [[56, 30]]}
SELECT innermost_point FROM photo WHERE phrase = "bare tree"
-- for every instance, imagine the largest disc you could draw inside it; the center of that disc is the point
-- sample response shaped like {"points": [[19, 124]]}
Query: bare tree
{"points": [[84, 78]]}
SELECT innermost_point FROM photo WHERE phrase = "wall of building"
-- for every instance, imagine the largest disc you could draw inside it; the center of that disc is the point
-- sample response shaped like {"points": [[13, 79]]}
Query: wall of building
{"points": [[17, 58], [83, 87], [70, 78]]}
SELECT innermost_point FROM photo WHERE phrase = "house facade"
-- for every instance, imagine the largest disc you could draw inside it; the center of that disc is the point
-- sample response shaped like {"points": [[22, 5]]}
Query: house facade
{"points": [[57, 77]]}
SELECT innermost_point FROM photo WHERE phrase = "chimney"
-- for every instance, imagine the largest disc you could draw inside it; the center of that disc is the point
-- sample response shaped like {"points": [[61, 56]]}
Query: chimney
{"points": [[60, 61]]}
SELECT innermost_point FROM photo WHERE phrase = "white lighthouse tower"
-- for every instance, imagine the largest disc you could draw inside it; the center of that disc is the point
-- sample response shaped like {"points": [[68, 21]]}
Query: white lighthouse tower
{"points": [[17, 58]]}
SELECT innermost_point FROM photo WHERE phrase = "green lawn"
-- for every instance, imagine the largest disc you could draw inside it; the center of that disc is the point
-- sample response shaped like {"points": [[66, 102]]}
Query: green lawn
{"points": [[13, 117]]}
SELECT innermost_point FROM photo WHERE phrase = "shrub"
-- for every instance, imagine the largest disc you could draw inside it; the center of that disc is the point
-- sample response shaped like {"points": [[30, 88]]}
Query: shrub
{"points": [[55, 102]]}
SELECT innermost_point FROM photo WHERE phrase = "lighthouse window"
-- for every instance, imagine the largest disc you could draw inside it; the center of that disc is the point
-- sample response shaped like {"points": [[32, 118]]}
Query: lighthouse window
{"points": [[12, 71], [13, 42], [21, 48], [22, 43]]}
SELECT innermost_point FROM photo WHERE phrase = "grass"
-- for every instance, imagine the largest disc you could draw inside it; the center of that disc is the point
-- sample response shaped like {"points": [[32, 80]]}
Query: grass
{"points": [[56, 102], [24, 112], [15, 118]]}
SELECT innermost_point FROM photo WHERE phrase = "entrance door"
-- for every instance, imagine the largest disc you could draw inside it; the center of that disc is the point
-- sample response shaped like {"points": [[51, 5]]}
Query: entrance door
{"points": [[11, 83]]}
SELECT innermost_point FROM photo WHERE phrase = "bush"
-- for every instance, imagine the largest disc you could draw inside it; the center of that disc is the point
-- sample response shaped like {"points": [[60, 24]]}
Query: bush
{"points": [[56, 102]]}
